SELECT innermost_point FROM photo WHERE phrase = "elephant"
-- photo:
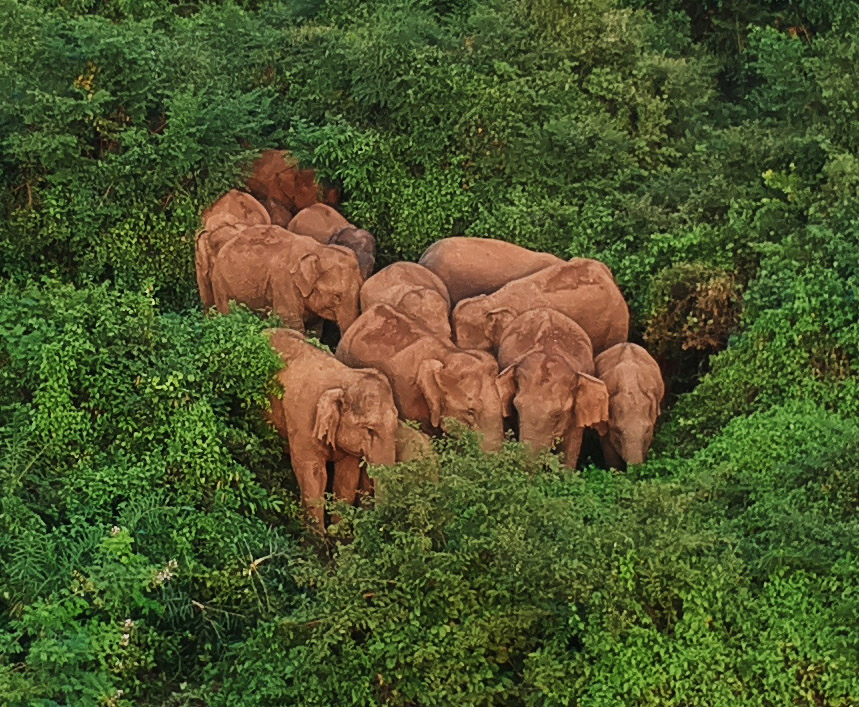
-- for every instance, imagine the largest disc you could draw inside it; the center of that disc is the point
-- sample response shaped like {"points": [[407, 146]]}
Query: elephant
{"points": [[235, 208], [209, 244], [479, 266], [431, 378], [635, 389], [324, 224], [282, 186], [269, 267], [362, 243], [582, 289], [331, 413], [318, 221], [222, 222], [547, 368], [413, 290]]}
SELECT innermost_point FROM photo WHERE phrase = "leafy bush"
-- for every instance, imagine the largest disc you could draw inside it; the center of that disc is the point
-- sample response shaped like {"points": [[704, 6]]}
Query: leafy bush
{"points": [[135, 523]]}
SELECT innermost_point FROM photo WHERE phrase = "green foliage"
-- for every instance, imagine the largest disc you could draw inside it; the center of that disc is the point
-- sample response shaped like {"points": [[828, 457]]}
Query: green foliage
{"points": [[133, 516], [494, 580]]}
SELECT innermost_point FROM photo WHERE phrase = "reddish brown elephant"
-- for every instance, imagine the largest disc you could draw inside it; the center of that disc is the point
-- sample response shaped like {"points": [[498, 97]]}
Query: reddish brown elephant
{"points": [[431, 378], [324, 224], [479, 266], [319, 221], [282, 186], [635, 389], [267, 267], [413, 290], [223, 221], [209, 244], [330, 412], [235, 208], [547, 362], [582, 289]]}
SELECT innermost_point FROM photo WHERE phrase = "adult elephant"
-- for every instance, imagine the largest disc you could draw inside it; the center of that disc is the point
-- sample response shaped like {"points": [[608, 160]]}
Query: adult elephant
{"points": [[580, 288], [222, 222], [331, 413], [413, 290], [431, 378], [479, 266], [267, 267], [635, 389], [547, 365], [235, 208]]}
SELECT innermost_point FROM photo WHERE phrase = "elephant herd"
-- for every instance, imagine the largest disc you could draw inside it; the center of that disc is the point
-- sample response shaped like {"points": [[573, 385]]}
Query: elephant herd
{"points": [[479, 331]]}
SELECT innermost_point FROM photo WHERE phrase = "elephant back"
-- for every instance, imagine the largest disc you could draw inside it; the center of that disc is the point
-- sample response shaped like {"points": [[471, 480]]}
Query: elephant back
{"points": [[318, 221], [548, 331]]}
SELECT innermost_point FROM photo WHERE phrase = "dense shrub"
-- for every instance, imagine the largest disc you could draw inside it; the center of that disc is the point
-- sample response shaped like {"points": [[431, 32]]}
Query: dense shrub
{"points": [[139, 483]]}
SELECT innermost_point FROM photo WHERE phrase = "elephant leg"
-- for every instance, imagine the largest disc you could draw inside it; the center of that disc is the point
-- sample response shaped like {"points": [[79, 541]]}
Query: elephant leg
{"points": [[347, 476], [288, 307], [573, 446], [312, 476], [613, 460]]}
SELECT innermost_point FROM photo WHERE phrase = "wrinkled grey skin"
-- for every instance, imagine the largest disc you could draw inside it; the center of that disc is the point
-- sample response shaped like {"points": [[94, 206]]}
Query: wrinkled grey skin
{"points": [[362, 243]]}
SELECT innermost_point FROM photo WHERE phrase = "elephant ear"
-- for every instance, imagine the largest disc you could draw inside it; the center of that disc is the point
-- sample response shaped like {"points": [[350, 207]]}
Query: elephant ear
{"points": [[328, 416], [307, 273], [590, 408], [497, 321], [430, 387], [506, 384], [654, 407]]}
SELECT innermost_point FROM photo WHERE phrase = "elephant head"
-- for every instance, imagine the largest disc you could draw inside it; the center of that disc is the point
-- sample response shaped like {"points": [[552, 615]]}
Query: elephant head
{"points": [[362, 243], [633, 411], [462, 386], [552, 399], [636, 389], [329, 282], [478, 323], [359, 419], [423, 305]]}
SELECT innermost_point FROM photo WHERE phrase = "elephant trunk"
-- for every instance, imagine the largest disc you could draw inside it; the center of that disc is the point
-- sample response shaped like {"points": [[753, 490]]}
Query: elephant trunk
{"points": [[347, 314], [382, 452], [634, 445], [535, 438], [492, 427]]}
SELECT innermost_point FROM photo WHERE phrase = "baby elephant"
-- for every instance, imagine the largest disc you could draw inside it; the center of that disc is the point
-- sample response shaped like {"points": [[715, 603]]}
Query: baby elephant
{"points": [[414, 291], [635, 388], [547, 362], [269, 267], [431, 378], [330, 412], [324, 224]]}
